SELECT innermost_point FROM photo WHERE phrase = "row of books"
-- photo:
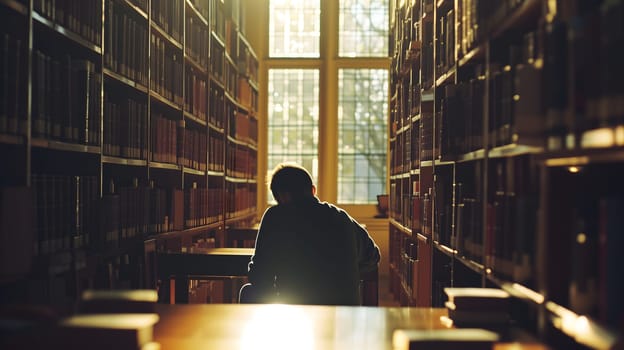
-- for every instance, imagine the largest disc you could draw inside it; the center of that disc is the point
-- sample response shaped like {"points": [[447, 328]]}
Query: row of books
{"points": [[426, 136], [461, 114], [589, 241], [241, 162], [195, 93], [590, 52], [12, 89], [81, 17], [443, 208], [216, 107], [230, 79], [134, 211], [166, 73], [445, 45], [125, 135], [125, 128], [469, 232], [216, 156], [400, 204], [477, 18], [399, 148], [243, 127], [217, 60], [427, 25], [247, 95], [126, 38], [241, 199], [196, 40], [203, 206], [217, 17], [66, 209], [165, 142], [247, 62], [147, 209], [66, 99], [231, 38], [167, 14], [406, 40], [195, 149], [404, 258], [512, 218]]}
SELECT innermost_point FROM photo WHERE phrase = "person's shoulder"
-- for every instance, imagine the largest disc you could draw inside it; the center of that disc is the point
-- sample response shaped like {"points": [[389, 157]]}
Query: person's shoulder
{"points": [[334, 208]]}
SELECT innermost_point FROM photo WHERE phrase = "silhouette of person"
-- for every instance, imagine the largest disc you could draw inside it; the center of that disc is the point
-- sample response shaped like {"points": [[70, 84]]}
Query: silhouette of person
{"points": [[307, 251]]}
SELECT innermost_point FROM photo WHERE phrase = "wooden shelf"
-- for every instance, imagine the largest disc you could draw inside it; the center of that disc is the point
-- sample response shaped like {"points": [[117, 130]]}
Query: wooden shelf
{"points": [[67, 33], [513, 150], [194, 119], [444, 249], [12, 139], [582, 157], [192, 171], [196, 12], [64, 146], [117, 108], [196, 65], [120, 78], [445, 78], [474, 54], [173, 42], [399, 226], [168, 166], [123, 161], [158, 97], [136, 9]]}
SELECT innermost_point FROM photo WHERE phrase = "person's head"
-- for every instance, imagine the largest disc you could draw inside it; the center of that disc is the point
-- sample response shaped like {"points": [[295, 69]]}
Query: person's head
{"points": [[291, 181]]}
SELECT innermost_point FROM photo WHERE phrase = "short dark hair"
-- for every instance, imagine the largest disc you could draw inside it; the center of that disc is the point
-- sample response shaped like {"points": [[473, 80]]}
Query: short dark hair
{"points": [[291, 178]]}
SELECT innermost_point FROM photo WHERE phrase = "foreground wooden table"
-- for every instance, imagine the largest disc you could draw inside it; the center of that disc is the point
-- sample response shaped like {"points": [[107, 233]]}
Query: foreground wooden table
{"points": [[231, 326]]}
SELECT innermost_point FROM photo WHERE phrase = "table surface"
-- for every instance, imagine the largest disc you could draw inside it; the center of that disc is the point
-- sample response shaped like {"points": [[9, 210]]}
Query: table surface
{"points": [[274, 326]]}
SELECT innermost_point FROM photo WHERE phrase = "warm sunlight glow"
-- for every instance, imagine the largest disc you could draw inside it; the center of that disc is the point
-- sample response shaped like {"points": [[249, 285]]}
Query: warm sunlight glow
{"points": [[603, 137], [574, 169], [278, 327]]}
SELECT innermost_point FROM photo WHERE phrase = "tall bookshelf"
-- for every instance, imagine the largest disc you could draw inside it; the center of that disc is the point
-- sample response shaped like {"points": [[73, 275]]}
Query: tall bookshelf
{"points": [[127, 127], [505, 133]]}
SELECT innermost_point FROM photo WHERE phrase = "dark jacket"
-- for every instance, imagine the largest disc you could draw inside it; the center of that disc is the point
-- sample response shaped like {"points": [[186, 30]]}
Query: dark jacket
{"points": [[311, 252]]}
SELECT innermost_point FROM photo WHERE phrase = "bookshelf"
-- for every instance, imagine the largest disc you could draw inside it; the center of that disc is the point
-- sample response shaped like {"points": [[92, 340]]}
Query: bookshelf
{"points": [[504, 132], [129, 127]]}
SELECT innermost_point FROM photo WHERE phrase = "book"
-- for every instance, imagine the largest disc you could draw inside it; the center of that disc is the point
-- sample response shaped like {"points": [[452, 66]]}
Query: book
{"points": [[478, 298], [444, 339], [474, 317], [104, 331], [117, 301]]}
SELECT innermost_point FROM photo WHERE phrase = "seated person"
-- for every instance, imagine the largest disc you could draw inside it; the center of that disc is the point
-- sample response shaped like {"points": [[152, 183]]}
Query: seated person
{"points": [[307, 251]]}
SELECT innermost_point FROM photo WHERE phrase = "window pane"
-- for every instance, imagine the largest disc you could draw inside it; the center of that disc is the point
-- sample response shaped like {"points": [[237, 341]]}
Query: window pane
{"points": [[294, 28], [363, 28], [362, 134], [293, 119]]}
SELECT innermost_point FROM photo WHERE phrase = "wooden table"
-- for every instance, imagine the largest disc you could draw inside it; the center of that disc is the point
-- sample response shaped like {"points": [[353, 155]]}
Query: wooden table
{"points": [[227, 326], [179, 268]]}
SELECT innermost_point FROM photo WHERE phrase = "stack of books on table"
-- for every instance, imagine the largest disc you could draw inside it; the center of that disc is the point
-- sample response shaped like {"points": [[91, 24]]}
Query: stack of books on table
{"points": [[478, 307], [108, 319], [444, 339]]}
